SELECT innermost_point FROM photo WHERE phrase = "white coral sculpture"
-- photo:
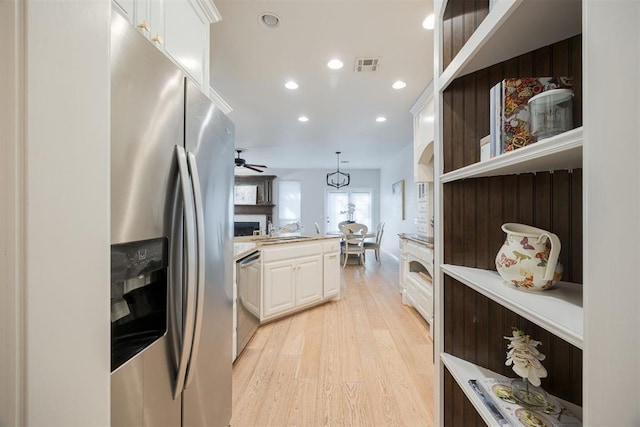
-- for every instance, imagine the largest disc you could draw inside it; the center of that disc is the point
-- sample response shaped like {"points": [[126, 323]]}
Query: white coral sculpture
{"points": [[525, 358]]}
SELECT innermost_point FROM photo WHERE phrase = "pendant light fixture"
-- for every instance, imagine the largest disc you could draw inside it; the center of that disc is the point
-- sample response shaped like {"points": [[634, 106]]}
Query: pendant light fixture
{"points": [[338, 179]]}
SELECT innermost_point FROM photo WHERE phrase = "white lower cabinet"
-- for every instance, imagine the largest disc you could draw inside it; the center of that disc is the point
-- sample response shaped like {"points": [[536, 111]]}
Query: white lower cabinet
{"points": [[278, 288], [331, 283], [297, 275], [416, 278]]}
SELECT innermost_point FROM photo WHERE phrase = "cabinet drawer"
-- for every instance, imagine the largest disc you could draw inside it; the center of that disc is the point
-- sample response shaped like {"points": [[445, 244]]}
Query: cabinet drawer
{"points": [[288, 251], [331, 246]]}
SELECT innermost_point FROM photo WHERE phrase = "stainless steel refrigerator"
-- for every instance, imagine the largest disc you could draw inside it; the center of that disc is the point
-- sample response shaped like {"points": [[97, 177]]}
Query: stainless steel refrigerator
{"points": [[171, 193]]}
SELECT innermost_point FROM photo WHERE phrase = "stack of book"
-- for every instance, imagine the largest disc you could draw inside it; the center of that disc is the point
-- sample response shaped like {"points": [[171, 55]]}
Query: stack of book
{"points": [[509, 110], [497, 397]]}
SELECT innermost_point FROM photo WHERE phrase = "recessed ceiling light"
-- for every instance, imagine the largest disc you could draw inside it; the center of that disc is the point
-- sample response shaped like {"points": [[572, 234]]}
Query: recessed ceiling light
{"points": [[269, 20], [335, 64], [303, 119], [291, 85], [399, 85], [381, 119], [429, 22]]}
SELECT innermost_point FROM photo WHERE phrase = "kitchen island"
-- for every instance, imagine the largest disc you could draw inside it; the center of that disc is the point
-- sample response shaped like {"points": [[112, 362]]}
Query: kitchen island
{"points": [[294, 272], [416, 274]]}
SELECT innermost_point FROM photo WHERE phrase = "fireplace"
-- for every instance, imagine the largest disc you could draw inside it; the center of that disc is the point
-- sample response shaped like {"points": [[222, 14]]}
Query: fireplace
{"points": [[245, 228]]}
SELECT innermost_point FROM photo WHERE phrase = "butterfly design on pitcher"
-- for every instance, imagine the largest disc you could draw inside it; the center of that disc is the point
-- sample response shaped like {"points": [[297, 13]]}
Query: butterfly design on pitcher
{"points": [[525, 243], [506, 262]]}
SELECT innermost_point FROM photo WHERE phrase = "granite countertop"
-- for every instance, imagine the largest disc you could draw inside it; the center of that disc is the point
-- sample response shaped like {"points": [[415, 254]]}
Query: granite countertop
{"points": [[244, 245], [427, 241]]}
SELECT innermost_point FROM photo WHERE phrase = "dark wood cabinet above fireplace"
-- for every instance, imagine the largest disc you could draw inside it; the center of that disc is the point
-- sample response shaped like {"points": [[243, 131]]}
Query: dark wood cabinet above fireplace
{"points": [[264, 195]]}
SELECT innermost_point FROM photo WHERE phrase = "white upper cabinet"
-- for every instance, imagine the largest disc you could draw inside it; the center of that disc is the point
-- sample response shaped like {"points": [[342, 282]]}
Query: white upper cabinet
{"points": [[180, 28]]}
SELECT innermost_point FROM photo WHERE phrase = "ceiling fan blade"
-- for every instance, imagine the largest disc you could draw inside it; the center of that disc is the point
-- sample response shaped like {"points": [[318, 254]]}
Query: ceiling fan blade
{"points": [[252, 168], [256, 166]]}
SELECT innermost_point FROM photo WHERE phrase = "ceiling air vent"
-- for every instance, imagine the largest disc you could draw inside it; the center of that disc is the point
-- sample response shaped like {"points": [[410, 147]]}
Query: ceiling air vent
{"points": [[367, 64]]}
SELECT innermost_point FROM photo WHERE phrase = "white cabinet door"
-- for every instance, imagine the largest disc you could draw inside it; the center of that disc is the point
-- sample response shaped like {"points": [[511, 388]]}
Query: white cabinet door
{"points": [[331, 277], [186, 37], [126, 8], [308, 280], [278, 288]]}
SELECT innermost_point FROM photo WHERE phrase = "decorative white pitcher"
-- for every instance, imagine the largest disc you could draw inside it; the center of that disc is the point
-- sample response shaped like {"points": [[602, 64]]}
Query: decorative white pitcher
{"points": [[528, 259]]}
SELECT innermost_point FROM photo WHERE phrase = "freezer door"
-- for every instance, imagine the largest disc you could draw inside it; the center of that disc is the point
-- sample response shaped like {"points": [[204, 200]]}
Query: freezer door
{"points": [[209, 138], [147, 121]]}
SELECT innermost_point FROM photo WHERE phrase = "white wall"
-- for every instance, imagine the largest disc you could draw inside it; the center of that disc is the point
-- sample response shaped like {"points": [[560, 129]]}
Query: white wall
{"points": [[398, 168], [313, 186], [56, 171]]}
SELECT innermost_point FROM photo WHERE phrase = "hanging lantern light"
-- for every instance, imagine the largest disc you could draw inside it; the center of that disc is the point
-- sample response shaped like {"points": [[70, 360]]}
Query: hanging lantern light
{"points": [[338, 179]]}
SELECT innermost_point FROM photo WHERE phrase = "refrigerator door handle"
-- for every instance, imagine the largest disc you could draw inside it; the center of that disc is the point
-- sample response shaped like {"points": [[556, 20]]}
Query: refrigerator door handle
{"points": [[191, 270], [199, 211]]}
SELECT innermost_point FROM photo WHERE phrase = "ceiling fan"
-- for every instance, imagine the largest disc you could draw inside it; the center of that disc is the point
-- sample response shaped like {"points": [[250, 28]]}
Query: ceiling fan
{"points": [[242, 163]]}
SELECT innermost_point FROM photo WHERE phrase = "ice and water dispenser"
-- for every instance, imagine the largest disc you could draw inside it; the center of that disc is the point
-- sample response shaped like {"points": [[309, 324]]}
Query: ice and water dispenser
{"points": [[138, 297]]}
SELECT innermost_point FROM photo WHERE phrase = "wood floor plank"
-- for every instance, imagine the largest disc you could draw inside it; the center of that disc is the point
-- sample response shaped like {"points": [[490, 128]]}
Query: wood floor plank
{"points": [[362, 360]]}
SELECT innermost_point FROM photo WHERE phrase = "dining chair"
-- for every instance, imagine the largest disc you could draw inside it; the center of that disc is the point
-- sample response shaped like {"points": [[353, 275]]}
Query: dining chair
{"points": [[353, 236], [375, 245]]}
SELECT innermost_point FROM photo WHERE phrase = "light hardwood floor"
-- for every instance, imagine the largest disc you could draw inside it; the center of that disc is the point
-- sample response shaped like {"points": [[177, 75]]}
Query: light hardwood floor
{"points": [[365, 360]]}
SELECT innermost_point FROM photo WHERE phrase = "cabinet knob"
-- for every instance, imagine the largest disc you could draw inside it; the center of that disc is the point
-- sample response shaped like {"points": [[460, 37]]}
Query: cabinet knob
{"points": [[144, 26], [157, 39]]}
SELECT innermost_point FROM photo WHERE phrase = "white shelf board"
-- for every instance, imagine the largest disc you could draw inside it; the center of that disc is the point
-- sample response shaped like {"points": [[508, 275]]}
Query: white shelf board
{"points": [[562, 151], [463, 371], [512, 28], [558, 310]]}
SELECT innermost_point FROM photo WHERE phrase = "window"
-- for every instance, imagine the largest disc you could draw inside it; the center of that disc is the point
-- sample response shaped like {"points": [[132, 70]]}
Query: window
{"points": [[288, 202], [338, 207]]}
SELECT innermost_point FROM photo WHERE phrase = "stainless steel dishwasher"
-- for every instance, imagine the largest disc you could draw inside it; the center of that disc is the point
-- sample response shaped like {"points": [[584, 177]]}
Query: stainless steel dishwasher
{"points": [[248, 279]]}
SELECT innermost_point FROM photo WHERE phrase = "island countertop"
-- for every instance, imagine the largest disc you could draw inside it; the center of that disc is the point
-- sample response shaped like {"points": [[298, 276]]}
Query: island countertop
{"points": [[244, 245]]}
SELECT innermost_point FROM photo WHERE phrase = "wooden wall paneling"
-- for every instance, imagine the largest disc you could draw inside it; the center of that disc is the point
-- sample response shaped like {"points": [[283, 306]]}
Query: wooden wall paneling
{"points": [[484, 257], [457, 319], [525, 213], [510, 191], [457, 131], [447, 37], [484, 331], [458, 227], [469, 18], [447, 225], [561, 54], [469, 320], [576, 225], [542, 201], [471, 141], [449, 329], [447, 131], [542, 62], [495, 341], [494, 234], [469, 212], [457, 19], [458, 409], [449, 402], [561, 218], [482, 88]]}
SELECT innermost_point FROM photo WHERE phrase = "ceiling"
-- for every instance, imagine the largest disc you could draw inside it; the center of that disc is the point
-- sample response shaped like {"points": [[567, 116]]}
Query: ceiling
{"points": [[250, 65]]}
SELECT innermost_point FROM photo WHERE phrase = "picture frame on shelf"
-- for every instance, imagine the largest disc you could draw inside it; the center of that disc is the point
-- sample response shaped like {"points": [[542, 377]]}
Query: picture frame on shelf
{"points": [[245, 194], [397, 192]]}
